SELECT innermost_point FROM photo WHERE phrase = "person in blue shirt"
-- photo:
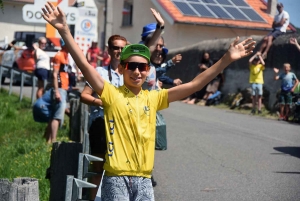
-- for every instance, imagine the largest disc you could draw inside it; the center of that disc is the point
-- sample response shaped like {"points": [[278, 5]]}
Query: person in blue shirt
{"points": [[289, 82]]}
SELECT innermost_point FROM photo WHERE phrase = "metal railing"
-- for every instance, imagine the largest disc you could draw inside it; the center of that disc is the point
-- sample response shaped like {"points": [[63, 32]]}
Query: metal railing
{"points": [[20, 77]]}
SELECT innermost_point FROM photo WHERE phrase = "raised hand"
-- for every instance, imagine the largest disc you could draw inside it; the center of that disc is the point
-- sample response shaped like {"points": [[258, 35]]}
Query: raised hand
{"points": [[157, 17], [239, 50], [54, 16], [293, 41], [276, 70], [177, 58]]}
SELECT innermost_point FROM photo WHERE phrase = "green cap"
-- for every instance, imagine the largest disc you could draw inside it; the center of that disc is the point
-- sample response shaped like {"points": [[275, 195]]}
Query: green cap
{"points": [[135, 49]]}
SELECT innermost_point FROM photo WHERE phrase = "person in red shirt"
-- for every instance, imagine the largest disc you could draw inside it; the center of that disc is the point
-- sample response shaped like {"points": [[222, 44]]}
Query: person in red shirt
{"points": [[93, 54], [106, 57], [59, 93]]}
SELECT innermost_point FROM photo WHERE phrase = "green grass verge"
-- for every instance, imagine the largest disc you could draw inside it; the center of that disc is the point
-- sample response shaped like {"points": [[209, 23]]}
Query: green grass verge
{"points": [[23, 150]]}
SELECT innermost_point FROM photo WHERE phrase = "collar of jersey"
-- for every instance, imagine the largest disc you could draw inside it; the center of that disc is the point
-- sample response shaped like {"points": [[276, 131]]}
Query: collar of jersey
{"points": [[129, 93]]}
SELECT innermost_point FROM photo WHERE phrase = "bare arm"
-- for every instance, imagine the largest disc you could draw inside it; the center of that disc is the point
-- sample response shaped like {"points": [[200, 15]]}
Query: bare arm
{"points": [[295, 85], [156, 35], [55, 85], [56, 17], [87, 98], [295, 42], [235, 52], [276, 71]]}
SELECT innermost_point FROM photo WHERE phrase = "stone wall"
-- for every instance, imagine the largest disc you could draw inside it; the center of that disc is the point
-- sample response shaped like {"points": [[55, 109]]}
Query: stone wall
{"points": [[237, 74]]}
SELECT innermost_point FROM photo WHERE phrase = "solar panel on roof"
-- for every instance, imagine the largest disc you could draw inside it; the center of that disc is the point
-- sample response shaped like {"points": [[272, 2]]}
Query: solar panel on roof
{"points": [[184, 8], [224, 2], [252, 14], [222, 9], [202, 10], [239, 3], [234, 12], [219, 12], [209, 1]]}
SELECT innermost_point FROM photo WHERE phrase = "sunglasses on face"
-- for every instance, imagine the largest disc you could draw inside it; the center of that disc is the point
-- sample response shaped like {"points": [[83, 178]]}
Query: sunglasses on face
{"points": [[159, 45], [117, 48], [133, 65]]}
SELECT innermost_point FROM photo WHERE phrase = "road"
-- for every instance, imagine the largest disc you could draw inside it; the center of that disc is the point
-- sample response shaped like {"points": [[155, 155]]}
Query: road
{"points": [[219, 155]]}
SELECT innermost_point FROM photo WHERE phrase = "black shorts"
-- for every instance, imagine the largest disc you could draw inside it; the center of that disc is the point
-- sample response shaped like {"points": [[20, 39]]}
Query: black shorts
{"points": [[275, 33], [97, 137]]}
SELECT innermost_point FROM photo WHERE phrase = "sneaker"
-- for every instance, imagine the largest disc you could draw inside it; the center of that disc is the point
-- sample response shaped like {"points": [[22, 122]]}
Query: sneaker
{"points": [[281, 118], [259, 112], [253, 111]]}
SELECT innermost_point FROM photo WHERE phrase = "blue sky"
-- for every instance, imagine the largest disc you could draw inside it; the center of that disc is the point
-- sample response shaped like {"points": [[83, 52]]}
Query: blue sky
{"points": [[293, 8]]}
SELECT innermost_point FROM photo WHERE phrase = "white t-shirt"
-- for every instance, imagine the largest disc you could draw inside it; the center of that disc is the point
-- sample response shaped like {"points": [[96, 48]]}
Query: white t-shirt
{"points": [[279, 17], [42, 59], [72, 63]]}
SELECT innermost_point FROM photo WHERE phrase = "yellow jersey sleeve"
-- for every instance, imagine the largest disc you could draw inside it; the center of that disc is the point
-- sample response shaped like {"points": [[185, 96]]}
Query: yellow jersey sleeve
{"points": [[159, 98]]}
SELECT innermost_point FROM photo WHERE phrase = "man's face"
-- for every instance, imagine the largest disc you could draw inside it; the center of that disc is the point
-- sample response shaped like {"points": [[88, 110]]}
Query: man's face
{"points": [[115, 50], [94, 44], [42, 44], [156, 57], [279, 8], [134, 79]]}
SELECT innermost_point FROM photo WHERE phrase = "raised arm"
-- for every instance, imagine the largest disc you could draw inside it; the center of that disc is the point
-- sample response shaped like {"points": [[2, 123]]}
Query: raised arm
{"points": [[236, 51], [87, 97], [55, 16], [158, 31], [276, 71], [294, 42]]}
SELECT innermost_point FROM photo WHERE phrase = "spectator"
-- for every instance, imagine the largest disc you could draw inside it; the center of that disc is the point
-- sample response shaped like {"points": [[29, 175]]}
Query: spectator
{"points": [[280, 24], [106, 57], [42, 66], [130, 112], [205, 63], [73, 73], [93, 54], [288, 83], [256, 79], [97, 126], [61, 85], [295, 42]]}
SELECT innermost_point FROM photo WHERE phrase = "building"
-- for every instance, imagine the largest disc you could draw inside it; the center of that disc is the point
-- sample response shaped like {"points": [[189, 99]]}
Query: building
{"points": [[186, 21]]}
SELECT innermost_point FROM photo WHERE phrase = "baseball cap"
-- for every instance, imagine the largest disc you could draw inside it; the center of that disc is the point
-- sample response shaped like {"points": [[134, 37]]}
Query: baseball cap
{"points": [[62, 42], [165, 50], [135, 49], [147, 29]]}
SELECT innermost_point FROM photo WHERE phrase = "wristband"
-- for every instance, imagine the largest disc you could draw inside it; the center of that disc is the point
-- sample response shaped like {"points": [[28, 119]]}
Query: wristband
{"points": [[159, 27]]}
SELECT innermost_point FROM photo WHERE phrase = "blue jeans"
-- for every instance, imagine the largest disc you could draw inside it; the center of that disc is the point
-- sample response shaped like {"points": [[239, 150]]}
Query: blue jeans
{"points": [[257, 89]]}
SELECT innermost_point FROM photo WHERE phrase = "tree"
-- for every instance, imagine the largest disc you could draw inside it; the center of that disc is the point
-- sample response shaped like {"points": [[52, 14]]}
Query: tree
{"points": [[1, 5]]}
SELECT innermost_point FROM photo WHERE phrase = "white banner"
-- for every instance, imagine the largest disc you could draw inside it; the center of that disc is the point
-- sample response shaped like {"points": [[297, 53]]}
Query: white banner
{"points": [[32, 13], [86, 28]]}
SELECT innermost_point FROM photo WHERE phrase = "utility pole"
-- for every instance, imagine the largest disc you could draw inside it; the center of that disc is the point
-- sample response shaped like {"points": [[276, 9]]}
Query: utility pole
{"points": [[108, 21]]}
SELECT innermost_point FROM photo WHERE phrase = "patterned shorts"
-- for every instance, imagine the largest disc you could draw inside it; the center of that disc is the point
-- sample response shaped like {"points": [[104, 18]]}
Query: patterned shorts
{"points": [[126, 188]]}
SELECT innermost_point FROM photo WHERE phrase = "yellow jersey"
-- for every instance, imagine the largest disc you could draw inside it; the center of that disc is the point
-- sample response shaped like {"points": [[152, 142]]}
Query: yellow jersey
{"points": [[256, 73], [130, 123]]}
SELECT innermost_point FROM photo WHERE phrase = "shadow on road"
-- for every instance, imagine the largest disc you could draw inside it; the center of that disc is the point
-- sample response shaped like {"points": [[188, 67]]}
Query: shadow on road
{"points": [[293, 151]]}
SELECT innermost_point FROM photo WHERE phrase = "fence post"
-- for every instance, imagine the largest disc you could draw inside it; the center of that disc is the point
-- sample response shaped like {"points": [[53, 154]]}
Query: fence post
{"points": [[1, 72], [4, 189], [22, 85], [78, 123], [11, 81], [33, 89], [64, 161]]}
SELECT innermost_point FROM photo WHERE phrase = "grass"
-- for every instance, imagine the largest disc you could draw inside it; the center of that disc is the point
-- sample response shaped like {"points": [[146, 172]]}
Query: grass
{"points": [[23, 150], [265, 113]]}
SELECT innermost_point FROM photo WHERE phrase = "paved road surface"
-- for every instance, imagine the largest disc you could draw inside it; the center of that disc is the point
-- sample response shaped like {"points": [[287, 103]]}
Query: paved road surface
{"points": [[218, 155]]}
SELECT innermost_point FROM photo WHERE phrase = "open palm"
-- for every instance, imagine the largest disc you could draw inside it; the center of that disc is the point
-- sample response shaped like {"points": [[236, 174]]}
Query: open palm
{"points": [[54, 16], [158, 17], [239, 50]]}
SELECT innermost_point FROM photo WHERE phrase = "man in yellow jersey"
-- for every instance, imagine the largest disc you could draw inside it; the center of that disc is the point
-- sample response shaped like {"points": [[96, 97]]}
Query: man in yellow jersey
{"points": [[256, 79], [130, 112]]}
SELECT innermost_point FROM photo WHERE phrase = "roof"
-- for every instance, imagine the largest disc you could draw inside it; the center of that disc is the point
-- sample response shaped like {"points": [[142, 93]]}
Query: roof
{"points": [[259, 6], [71, 2]]}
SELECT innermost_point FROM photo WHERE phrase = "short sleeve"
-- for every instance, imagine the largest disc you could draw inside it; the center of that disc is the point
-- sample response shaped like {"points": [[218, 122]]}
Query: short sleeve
{"points": [[294, 76], [281, 76], [56, 62], [109, 94], [159, 98], [286, 15]]}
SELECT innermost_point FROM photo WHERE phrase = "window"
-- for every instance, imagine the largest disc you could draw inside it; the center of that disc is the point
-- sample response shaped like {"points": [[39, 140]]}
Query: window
{"points": [[127, 13]]}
